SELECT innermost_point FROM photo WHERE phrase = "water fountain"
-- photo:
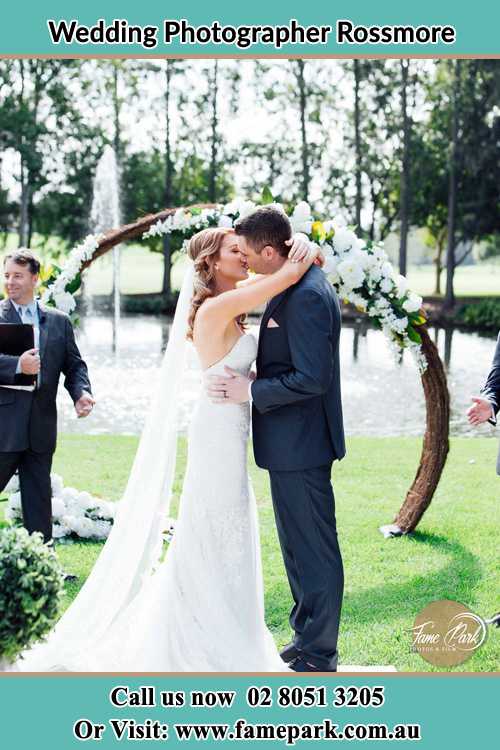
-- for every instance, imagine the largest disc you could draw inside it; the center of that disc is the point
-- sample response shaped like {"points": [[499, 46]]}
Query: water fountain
{"points": [[105, 215]]}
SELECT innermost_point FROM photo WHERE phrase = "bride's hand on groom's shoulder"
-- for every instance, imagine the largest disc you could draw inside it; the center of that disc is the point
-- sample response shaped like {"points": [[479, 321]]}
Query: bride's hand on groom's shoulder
{"points": [[299, 248], [302, 250]]}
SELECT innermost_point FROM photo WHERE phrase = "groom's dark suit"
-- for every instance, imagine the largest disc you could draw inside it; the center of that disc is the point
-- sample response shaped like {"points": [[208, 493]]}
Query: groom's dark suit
{"points": [[491, 389], [28, 419], [297, 434]]}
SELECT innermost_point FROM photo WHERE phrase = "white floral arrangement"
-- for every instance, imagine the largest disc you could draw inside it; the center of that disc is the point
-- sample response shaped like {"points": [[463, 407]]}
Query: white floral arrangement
{"points": [[359, 270], [75, 514], [60, 292]]}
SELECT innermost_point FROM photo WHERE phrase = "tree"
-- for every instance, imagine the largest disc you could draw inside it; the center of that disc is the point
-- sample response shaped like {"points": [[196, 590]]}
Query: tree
{"points": [[32, 115], [405, 189]]}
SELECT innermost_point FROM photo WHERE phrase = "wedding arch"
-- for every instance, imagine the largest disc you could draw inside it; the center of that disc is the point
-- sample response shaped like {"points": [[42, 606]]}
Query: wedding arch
{"points": [[362, 275]]}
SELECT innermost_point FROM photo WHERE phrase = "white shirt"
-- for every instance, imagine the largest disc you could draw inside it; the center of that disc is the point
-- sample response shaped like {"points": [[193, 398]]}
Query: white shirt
{"points": [[29, 316]]}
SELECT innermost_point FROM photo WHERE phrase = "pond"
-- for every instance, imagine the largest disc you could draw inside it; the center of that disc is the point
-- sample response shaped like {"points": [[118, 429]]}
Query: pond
{"points": [[380, 397]]}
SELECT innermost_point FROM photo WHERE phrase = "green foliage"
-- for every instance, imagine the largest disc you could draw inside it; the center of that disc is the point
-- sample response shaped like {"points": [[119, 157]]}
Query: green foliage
{"points": [[482, 314], [30, 590], [267, 196], [149, 305]]}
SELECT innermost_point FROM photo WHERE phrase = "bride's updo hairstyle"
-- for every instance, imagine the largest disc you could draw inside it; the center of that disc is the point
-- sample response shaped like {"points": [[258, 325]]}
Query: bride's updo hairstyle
{"points": [[204, 250]]}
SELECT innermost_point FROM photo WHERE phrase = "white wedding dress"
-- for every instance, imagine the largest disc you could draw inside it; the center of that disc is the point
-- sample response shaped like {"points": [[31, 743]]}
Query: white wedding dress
{"points": [[203, 607]]}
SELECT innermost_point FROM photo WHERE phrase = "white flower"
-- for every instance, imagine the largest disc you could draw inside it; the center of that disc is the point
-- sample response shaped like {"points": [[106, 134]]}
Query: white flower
{"points": [[413, 303], [402, 285], [240, 207], [59, 531], [65, 301], [56, 484], [86, 501], [225, 221], [343, 240], [386, 270], [301, 219], [387, 285], [331, 260], [58, 507], [400, 325], [380, 254], [82, 526], [69, 494], [351, 273], [373, 269], [358, 301]]}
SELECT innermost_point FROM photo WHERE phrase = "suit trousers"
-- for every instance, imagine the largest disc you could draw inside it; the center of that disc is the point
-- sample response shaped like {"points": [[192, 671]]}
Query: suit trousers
{"points": [[304, 508], [36, 492]]}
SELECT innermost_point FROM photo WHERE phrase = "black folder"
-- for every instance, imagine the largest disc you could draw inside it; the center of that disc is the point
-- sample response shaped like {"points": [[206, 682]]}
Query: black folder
{"points": [[15, 339]]}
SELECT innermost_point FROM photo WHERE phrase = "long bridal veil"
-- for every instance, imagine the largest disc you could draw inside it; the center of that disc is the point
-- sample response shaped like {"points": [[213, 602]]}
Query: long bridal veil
{"points": [[134, 545]]}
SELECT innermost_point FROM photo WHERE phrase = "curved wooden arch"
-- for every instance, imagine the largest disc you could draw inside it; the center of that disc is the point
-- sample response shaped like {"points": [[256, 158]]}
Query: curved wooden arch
{"points": [[436, 438]]}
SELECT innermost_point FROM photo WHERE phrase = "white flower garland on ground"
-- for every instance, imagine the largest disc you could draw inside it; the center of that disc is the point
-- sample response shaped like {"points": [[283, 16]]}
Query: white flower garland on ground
{"points": [[359, 270], [75, 514]]}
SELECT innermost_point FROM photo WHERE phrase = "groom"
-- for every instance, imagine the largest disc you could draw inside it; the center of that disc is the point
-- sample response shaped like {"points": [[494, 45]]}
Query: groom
{"points": [[297, 434], [28, 419]]}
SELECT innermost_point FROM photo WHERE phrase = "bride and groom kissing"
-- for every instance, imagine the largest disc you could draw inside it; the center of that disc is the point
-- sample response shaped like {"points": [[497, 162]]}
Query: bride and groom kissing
{"points": [[202, 609]]}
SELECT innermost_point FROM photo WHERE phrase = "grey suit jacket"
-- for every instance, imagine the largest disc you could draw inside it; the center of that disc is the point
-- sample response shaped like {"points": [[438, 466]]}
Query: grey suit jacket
{"points": [[28, 419]]}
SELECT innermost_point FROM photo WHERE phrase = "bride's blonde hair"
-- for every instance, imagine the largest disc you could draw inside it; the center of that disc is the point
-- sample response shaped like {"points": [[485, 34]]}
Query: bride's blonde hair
{"points": [[204, 250]]}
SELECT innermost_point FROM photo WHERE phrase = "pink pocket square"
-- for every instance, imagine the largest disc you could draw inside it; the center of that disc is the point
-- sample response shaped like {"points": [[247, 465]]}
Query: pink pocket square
{"points": [[272, 323]]}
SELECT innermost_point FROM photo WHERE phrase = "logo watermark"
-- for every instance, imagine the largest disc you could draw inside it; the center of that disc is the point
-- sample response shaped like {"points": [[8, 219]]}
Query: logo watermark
{"points": [[446, 633]]}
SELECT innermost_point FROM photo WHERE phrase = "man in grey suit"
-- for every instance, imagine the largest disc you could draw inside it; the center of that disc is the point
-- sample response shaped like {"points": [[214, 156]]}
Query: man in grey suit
{"points": [[28, 419], [487, 405]]}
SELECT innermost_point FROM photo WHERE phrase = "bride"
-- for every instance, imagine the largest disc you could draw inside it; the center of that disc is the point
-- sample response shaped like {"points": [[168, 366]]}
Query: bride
{"points": [[202, 609]]}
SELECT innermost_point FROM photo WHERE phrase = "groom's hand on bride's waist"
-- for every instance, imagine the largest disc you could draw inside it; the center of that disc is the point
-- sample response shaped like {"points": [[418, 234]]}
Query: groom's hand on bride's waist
{"points": [[232, 388]]}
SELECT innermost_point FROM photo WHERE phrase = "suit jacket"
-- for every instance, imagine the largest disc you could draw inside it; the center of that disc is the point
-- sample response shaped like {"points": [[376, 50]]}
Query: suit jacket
{"points": [[297, 409], [28, 419], [491, 389]]}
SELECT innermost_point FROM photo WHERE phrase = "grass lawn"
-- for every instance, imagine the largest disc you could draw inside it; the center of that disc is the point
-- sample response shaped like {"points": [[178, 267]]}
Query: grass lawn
{"points": [[453, 554], [470, 281]]}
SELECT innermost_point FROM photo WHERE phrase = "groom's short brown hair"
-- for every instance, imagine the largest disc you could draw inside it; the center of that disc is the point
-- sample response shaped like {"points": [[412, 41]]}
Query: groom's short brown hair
{"points": [[266, 226]]}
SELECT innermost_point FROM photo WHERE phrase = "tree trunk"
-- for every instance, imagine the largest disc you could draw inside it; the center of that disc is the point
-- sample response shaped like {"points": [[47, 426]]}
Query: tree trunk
{"points": [[212, 189], [24, 201], [24, 206], [435, 447], [439, 266], [449, 300], [167, 260], [405, 172], [117, 145], [303, 133], [357, 142]]}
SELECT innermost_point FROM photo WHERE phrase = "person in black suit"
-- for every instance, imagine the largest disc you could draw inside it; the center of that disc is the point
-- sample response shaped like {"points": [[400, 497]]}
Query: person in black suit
{"points": [[297, 434], [28, 419], [486, 406]]}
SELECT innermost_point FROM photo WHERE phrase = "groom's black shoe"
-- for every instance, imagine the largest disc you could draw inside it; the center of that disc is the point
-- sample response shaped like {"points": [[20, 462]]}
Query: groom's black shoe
{"points": [[301, 665], [289, 652], [69, 577]]}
